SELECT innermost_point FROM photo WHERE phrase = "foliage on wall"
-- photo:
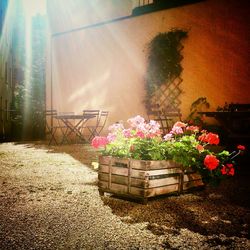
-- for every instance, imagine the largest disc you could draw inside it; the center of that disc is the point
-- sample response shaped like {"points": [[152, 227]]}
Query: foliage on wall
{"points": [[163, 61]]}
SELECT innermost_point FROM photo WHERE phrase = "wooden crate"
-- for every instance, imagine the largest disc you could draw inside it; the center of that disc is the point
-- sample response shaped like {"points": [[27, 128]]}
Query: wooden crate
{"points": [[143, 179]]}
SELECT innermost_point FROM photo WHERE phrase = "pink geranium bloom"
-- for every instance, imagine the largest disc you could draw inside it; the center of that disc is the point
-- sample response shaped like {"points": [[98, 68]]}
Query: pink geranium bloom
{"points": [[99, 141], [127, 133], [135, 121], [193, 128], [177, 130], [180, 124], [111, 137], [140, 134], [115, 127], [168, 137]]}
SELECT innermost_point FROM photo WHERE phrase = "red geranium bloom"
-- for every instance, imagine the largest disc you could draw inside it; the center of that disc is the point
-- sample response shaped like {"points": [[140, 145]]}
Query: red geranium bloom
{"points": [[228, 169], [229, 165], [99, 141], [241, 147], [231, 171], [210, 138], [199, 147], [211, 162], [224, 170]]}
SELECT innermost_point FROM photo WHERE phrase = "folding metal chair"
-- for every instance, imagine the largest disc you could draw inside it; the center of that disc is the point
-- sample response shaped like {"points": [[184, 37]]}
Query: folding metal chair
{"points": [[96, 128], [63, 128], [50, 125], [90, 123], [166, 119]]}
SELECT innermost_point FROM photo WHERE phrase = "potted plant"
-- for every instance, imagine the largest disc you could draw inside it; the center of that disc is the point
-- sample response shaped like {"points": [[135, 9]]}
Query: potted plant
{"points": [[139, 161]]}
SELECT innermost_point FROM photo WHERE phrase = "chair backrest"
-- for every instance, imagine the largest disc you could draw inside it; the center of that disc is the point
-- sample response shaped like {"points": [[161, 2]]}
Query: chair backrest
{"points": [[49, 115], [66, 113], [166, 119], [102, 120], [92, 112]]}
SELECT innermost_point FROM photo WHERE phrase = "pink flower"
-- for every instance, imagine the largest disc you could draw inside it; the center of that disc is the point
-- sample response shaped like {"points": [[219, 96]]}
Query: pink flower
{"points": [[140, 134], [177, 130], [193, 128], [127, 133], [180, 124], [168, 137], [111, 137], [211, 162], [135, 121], [99, 141], [115, 127]]}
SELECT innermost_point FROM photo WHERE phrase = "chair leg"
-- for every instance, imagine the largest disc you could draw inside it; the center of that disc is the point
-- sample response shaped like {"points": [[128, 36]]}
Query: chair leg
{"points": [[53, 138]]}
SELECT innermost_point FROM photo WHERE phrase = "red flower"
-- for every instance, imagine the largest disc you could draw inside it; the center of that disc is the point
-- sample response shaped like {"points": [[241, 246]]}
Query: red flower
{"points": [[241, 147], [199, 147], [211, 162], [229, 165], [228, 169], [231, 171], [210, 138], [99, 141], [224, 170]]}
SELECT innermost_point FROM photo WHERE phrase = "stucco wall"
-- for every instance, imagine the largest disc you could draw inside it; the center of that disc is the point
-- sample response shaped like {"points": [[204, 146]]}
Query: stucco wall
{"points": [[104, 67]]}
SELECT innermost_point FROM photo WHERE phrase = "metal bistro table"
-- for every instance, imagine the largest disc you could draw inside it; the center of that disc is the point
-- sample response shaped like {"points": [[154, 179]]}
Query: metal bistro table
{"points": [[73, 127], [236, 123]]}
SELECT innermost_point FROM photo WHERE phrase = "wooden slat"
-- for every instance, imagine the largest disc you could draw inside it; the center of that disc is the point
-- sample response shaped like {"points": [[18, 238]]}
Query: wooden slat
{"points": [[151, 165], [143, 179], [141, 174], [140, 183], [114, 170], [121, 189], [136, 173], [190, 177], [161, 190], [163, 182], [105, 160]]}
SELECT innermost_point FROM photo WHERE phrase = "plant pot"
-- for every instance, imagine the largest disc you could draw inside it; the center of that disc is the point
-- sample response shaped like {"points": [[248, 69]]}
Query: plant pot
{"points": [[144, 179]]}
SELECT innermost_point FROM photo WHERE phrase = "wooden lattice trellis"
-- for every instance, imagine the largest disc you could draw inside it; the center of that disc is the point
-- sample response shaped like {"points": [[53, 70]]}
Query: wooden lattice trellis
{"points": [[166, 97]]}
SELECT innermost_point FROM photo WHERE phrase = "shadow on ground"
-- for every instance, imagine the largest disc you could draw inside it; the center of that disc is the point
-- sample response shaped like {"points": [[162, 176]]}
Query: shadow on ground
{"points": [[211, 211], [208, 212]]}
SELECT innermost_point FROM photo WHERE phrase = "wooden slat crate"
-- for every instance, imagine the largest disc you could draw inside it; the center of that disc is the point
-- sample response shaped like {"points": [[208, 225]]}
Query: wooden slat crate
{"points": [[143, 179]]}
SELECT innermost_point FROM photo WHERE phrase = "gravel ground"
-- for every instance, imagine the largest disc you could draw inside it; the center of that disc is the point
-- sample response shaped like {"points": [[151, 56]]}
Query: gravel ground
{"points": [[49, 200]]}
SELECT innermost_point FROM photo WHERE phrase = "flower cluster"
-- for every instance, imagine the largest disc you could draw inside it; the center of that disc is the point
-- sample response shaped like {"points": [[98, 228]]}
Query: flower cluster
{"points": [[185, 144]]}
